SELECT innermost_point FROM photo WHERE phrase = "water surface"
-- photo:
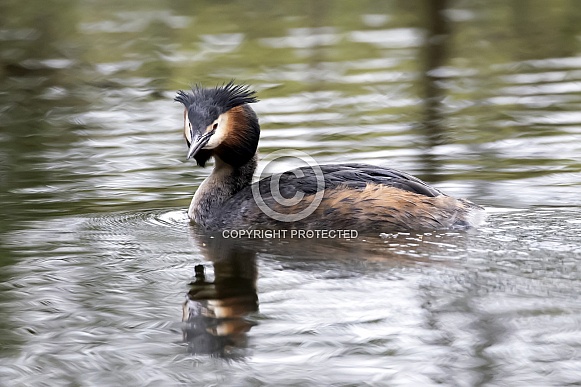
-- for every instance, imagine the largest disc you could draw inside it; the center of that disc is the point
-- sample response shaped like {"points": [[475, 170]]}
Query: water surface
{"points": [[104, 282]]}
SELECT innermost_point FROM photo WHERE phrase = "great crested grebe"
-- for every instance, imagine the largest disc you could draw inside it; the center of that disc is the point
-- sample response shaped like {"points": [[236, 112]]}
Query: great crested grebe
{"points": [[219, 123]]}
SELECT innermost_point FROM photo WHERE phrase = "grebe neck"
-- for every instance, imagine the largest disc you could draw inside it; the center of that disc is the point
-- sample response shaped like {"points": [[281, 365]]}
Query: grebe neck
{"points": [[224, 181]]}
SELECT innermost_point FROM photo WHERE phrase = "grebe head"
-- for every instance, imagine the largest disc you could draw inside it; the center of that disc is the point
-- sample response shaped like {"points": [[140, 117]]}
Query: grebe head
{"points": [[219, 122]]}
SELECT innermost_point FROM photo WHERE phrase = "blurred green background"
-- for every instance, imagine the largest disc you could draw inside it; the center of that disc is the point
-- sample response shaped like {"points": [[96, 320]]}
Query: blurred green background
{"points": [[475, 91]]}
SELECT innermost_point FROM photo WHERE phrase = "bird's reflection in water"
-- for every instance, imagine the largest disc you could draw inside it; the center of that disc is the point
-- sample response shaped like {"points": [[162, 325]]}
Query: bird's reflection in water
{"points": [[215, 311]]}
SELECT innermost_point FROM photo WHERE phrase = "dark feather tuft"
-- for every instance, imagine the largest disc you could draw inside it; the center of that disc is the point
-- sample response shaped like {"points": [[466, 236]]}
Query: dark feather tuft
{"points": [[222, 98], [183, 98]]}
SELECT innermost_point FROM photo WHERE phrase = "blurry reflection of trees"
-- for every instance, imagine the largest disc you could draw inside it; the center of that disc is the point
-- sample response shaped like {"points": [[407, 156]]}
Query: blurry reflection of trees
{"points": [[318, 12], [437, 39]]}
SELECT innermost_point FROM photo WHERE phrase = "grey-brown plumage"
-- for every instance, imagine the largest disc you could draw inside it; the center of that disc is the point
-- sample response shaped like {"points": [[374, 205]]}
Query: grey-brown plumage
{"points": [[219, 123]]}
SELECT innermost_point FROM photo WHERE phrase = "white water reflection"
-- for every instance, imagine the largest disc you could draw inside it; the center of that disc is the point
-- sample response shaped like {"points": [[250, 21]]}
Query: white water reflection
{"points": [[450, 310], [392, 38]]}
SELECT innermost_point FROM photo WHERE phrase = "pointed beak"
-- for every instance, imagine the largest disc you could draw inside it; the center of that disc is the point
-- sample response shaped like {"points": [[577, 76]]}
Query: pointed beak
{"points": [[198, 142]]}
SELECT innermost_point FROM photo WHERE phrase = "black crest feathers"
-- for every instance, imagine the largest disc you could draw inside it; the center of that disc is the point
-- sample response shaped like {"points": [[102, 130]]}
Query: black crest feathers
{"points": [[223, 98]]}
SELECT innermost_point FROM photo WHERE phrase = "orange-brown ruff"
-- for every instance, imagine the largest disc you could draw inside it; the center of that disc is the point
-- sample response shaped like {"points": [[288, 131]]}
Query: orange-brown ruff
{"points": [[219, 123]]}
